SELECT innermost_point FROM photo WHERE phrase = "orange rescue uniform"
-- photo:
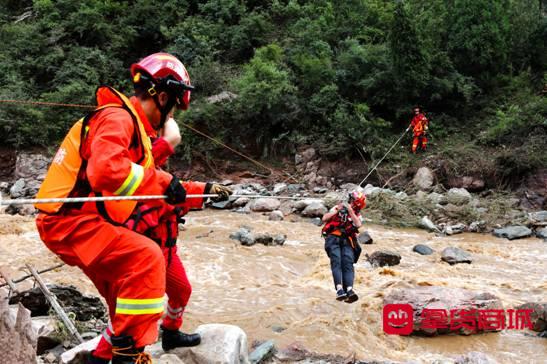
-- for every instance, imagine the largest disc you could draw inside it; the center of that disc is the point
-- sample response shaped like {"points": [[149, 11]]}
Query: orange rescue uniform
{"points": [[127, 268], [419, 125]]}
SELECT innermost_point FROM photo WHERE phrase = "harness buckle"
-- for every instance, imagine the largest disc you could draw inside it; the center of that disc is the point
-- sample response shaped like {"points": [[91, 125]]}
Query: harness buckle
{"points": [[152, 91]]}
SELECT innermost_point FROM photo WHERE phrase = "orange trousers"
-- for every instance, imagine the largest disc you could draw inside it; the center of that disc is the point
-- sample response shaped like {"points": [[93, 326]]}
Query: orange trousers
{"points": [[419, 140], [127, 268]]}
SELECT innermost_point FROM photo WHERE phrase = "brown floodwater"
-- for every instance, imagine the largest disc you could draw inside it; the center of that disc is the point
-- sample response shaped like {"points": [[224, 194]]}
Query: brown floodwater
{"points": [[263, 287]]}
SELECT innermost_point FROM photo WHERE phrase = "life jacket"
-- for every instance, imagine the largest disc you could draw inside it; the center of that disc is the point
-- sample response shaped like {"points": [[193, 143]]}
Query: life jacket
{"points": [[341, 225], [419, 122], [66, 174]]}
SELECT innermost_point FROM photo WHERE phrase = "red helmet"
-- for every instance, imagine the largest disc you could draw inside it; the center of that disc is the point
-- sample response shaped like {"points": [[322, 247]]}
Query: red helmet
{"points": [[167, 72], [358, 200]]}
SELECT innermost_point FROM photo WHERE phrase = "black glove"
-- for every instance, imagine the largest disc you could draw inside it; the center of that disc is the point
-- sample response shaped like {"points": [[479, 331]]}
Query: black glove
{"points": [[223, 192], [175, 192]]}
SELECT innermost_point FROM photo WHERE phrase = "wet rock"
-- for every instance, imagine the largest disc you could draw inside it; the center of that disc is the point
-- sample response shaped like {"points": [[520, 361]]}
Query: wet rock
{"points": [[427, 224], [4, 187], [18, 189], [454, 229], [221, 205], [364, 238], [31, 166], [453, 255], [443, 298], [263, 352], [383, 258], [317, 221], [17, 338], [477, 226], [280, 239], [84, 307], [220, 344], [279, 188], [315, 209], [423, 179], [241, 201], [538, 217], [277, 328], [513, 232], [276, 216], [538, 315], [265, 239], [295, 188], [302, 204], [474, 357], [23, 210], [320, 190], [542, 233], [265, 204], [458, 196], [422, 249]]}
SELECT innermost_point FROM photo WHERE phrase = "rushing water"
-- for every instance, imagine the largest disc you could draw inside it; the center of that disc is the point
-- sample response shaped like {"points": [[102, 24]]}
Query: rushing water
{"points": [[261, 287]]}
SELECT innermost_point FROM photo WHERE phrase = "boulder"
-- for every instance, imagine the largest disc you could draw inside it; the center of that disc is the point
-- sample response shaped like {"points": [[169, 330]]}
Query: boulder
{"points": [[453, 255], [473, 184], [477, 226], [263, 352], [542, 233], [315, 209], [429, 225], [241, 201], [276, 216], [423, 179], [538, 315], [437, 198], [18, 189], [319, 190], [422, 249], [401, 195], [454, 229], [308, 155], [244, 235], [265, 204], [382, 258], [45, 328], [84, 307], [474, 357], [17, 338], [295, 188], [220, 344], [279, 188], [364, 238], [458, 196], [31, 166], [513, 232], [538, 217], [279, 239], [77, 354], [317, 221], [302, 204], [332, 198], [443, 298]]}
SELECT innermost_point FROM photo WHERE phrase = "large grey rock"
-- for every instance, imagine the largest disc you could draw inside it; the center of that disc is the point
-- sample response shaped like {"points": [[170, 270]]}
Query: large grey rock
{"points": [[364, 238], [538, 216], [45, 328], [427, 224], [295, 188], [513, 232], [265, 204], [474, 357], [454, 229], [422, 249], [18, 189], [263, 352], [423, 179], [477, 226], [31, 166], [458, 196], [317, 221], [220, 344], [241, 201], [453, 255], [333, 198], [244, 236], [542, 233], [302, 204], [276, 216], [382, 258], [316, 209], [17, 338], [443, 298], [538, 315], [279, 188]]}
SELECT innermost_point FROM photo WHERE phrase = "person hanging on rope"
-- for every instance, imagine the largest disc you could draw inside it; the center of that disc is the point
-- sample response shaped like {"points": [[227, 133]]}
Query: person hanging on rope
{"points": [[419, 125], [342, 224], [108, 152]]}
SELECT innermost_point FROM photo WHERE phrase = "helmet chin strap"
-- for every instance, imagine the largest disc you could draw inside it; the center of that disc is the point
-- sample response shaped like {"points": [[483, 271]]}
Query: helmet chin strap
{"points": [[164, 110]]}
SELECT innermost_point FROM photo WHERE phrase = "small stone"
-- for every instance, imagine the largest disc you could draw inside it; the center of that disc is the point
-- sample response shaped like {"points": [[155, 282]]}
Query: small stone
{"points": [[422, 249], [276, 328], [279, 188], [276, 216], [542, 233], [453, 255], [263, 352], [429, 225], [364, 238], [280, 239], [315, 209], [317, 221]]}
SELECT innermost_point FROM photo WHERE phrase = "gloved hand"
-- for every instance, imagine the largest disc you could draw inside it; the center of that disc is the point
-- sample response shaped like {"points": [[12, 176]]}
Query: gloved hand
{"points": [[223, 192], [175, 192]]}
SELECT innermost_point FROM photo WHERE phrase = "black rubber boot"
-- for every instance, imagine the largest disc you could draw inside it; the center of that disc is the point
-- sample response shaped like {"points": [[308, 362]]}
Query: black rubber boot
{"points": [[125, 352], [171, 339]]}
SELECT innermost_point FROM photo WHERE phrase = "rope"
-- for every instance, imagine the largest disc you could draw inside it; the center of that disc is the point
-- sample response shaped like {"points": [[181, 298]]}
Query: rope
{"points": [[385, 155], [38, 201], [43, 103]]}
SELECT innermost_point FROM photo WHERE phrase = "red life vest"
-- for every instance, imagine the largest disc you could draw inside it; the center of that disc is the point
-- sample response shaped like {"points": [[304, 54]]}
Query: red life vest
{"points": [[341, 225]]}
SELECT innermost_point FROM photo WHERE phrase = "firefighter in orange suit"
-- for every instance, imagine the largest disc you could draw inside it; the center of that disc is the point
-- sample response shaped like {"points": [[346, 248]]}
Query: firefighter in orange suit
{"points": [[109, 153], [419, 125]]}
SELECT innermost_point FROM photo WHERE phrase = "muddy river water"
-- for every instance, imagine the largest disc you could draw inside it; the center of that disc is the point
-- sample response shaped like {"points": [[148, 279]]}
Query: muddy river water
{"points": [[290, 286]]}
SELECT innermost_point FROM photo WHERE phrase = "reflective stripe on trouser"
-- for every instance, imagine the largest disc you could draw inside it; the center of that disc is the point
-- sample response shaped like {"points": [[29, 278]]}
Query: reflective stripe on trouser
{"points": [[419, 140], [178, 291]]}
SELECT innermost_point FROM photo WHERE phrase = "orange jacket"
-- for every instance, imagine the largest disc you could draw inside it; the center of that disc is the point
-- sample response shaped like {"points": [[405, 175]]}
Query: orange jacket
{"points": [[419, 124]]}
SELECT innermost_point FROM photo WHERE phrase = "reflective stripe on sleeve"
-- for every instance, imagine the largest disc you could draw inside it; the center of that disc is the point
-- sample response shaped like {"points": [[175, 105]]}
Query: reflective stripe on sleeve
{"points": [[132, 182]]}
